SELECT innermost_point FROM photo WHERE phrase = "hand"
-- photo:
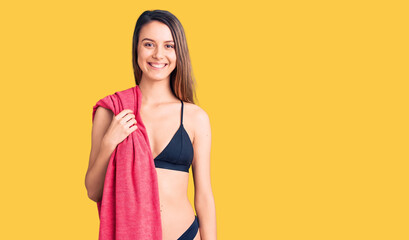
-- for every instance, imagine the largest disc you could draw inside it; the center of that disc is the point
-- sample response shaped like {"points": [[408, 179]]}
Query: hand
{"points": [[121, 126]]}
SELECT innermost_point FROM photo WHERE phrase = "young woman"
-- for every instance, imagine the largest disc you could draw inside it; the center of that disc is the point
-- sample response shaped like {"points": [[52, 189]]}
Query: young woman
{"points": [[178, 130]]}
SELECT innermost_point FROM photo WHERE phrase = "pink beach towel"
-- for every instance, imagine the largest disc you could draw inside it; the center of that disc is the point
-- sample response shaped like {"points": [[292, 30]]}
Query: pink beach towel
{"points": [[129, 208]]}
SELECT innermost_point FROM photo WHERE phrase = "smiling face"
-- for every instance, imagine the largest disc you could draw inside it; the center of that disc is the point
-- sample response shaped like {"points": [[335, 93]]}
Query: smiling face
{"points": [[156, 51]]}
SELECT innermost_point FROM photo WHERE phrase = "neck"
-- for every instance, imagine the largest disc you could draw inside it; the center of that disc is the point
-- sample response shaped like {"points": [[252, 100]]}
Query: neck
{"points": [[155, 92]]}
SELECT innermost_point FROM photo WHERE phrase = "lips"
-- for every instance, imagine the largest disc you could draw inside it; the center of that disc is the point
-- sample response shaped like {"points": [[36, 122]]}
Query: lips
{"points": [[157, 65]]}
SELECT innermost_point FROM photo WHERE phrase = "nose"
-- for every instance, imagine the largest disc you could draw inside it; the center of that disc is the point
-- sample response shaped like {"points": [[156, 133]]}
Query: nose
{"points": [[158, 53]]}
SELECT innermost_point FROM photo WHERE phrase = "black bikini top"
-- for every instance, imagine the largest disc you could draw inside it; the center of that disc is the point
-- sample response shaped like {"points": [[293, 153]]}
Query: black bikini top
{"points": [[178, 154]]}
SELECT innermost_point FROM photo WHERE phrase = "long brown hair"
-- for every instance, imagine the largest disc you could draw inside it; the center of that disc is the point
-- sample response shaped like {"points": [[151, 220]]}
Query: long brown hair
{"points": [[182, 81]]}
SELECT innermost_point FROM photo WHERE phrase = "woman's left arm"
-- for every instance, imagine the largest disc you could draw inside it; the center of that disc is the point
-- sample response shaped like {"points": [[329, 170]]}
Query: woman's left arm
{"points": [[204, 200]]}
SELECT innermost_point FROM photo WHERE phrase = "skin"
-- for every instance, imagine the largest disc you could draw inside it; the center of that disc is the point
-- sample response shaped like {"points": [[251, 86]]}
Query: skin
{"points": [[160, 113]]}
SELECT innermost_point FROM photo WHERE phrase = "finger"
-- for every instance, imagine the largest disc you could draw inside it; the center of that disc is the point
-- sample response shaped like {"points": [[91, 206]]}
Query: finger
{"points": [[125, 120], [123, 113], [130, 123], [133, 128], [128, 117]]}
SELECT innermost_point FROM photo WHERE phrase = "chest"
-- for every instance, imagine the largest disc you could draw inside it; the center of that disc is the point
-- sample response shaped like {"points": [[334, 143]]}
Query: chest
{"points": [[169, 132]]}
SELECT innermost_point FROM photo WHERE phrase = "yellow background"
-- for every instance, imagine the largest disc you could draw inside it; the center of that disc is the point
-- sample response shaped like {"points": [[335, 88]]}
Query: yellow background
{"points": [[308, 102]]}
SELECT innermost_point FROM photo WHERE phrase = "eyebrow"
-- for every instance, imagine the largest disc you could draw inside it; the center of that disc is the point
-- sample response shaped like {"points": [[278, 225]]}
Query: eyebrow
{"points": [[154, 40]]}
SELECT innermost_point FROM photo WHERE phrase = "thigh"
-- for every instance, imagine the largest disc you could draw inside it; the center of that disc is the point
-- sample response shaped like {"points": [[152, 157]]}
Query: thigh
{"points": [[198, 235]]}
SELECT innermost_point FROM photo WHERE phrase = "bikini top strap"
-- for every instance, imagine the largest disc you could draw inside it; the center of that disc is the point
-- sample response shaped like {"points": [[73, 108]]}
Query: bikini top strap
{"points": [[181, 114]]}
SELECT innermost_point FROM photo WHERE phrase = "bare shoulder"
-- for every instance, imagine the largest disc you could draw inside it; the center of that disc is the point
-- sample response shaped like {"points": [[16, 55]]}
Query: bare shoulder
{"points": [[197, 119], [196, 114]]}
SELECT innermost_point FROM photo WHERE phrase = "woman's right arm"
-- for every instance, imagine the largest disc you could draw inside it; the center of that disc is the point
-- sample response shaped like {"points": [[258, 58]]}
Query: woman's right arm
{"points": [[101, 150], [107, 132]]}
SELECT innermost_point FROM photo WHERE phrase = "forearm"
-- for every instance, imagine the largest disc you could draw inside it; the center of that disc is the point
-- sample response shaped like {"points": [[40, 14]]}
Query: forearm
{"points": [[95, 177], [206, 211]]}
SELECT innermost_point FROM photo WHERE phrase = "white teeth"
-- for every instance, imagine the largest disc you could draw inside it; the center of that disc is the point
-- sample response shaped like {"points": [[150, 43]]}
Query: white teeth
{"points": [[157, 66]]}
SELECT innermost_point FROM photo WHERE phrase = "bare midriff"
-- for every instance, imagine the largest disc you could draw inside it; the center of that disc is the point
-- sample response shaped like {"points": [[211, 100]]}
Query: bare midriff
{"points": [[176, 210]]}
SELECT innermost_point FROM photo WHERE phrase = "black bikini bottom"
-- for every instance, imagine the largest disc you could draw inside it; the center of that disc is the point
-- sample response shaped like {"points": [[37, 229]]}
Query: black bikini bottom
{"points": [[191, 232]]}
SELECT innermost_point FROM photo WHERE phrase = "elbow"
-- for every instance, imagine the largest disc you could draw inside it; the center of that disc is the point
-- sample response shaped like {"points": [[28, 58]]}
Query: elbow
{"points": [[93, 197], [92, 194], [204, 199]]}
